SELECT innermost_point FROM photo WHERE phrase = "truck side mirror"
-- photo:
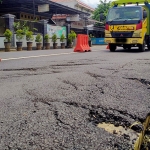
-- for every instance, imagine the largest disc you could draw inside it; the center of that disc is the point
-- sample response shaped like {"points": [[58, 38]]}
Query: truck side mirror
{"points": [[102, 17], [144, 14]]}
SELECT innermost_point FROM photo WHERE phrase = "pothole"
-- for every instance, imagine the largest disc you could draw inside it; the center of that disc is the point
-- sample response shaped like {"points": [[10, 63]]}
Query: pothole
{"points": [[138, 141], [69, 83], [96, 76], [143, 81], [70, 64], [119, 131], [136, 131], [21, 69], [146, 140], [143, 142]]}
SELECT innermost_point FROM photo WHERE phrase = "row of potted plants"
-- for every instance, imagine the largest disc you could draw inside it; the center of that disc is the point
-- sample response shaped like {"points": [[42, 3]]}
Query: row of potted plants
{"points": [[20, 34], [54, 40]]}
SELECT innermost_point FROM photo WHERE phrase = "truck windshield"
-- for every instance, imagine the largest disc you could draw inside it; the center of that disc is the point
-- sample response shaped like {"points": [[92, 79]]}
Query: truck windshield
{"points": [[125, 13]]}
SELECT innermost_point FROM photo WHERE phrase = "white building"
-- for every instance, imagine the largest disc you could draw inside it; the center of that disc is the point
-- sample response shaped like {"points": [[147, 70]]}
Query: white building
{"points": [[76, 4], [79, 25]]}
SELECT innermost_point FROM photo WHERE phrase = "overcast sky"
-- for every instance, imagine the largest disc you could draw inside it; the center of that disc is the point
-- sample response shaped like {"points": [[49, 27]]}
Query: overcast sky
{"points": [[92, 3]]}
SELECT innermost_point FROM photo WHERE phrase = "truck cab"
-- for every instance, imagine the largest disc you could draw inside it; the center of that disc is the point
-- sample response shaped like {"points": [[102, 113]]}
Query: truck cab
{"points": [[127, 26]]}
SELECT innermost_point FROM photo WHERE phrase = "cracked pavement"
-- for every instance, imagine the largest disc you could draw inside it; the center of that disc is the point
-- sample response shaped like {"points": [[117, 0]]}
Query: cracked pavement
{"points": [[56, 103]]}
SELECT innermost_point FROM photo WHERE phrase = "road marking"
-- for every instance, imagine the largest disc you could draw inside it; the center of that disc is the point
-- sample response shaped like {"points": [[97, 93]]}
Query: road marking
{"points": [[37, 56], [27, 57]]}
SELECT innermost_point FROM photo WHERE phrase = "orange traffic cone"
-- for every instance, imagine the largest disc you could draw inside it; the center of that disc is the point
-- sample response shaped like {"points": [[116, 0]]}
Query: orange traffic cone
{"points": [[107, 46]]}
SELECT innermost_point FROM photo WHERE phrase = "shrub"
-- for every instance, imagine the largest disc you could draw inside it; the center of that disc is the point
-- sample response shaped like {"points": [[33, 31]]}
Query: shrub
{"points": [[62, 38], [38, 38], [29, 36], [46, 38], [8, 35], [54, 38], [20, 34]]}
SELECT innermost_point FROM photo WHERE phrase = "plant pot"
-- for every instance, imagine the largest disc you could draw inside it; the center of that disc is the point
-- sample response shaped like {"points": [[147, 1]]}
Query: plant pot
{"points": [[29, 46], [47, 45], [38, 46], [90, 43], [62, 45], [74, 42], [70, 45], [7, 46], [54, 45], [19, 46]]}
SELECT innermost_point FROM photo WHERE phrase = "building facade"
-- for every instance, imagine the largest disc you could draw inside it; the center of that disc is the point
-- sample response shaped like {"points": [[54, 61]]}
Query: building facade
{"points": [[85, 21]]}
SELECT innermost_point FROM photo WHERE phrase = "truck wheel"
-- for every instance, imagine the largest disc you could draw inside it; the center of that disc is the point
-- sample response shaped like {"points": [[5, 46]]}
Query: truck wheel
{"points": [[142, 47], [112, 47], [148, 46]]}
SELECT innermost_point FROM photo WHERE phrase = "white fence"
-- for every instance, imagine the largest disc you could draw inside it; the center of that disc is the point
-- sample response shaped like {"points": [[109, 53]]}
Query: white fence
{"points": [[25, 42], [2, 42], [34, 43]]}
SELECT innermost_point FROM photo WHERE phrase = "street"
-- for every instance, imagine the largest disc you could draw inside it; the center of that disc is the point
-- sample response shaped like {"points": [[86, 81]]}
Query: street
{"points": [[58, 99]]}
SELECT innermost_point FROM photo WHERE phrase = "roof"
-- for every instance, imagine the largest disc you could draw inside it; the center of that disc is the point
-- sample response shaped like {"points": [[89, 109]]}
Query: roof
{"points": [[85, 5], [78, 2], [28, 7], [59, 16]]}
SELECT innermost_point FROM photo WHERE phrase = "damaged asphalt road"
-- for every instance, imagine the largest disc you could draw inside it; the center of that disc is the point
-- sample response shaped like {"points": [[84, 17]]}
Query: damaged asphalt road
{"points": [[57, 103]]}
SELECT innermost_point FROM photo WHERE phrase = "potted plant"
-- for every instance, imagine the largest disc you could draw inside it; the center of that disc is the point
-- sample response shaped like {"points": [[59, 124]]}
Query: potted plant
{"points": [[54, 39], [7, 41], [19, 36], [90, 41], [62, 39], [69, 41], [74, 35], [38, 40], [29, 38], [46, 41]]}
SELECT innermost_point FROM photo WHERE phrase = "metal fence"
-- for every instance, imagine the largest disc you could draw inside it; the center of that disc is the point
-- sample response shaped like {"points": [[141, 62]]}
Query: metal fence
{"points": [[35, 27]]}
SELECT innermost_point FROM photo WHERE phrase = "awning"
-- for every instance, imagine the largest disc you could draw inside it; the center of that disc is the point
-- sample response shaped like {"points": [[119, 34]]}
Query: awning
{"points": [[95, 21], [28, 6]]}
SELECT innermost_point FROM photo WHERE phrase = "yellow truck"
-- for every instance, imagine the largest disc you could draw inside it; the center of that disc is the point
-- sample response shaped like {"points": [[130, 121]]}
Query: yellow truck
{"points": [[128, 24]]}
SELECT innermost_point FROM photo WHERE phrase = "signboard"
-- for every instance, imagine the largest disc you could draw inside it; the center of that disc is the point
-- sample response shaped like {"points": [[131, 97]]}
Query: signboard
{"points": [[58, 30], [43, 8], [78, 24], [98, 41], [73, 18]]}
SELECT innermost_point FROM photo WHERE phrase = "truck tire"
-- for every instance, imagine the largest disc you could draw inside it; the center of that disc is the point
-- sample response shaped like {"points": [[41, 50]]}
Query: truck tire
{"points": [[148, 46], [142, 47], [112, 47], [147, 43]]}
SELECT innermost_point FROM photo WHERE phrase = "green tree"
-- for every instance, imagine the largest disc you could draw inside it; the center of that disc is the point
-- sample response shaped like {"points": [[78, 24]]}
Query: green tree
{"points": [[103, 7]]}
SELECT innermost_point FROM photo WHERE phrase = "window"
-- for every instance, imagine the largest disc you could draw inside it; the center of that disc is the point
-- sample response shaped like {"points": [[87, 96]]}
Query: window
{"points": [[124, 13]]}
